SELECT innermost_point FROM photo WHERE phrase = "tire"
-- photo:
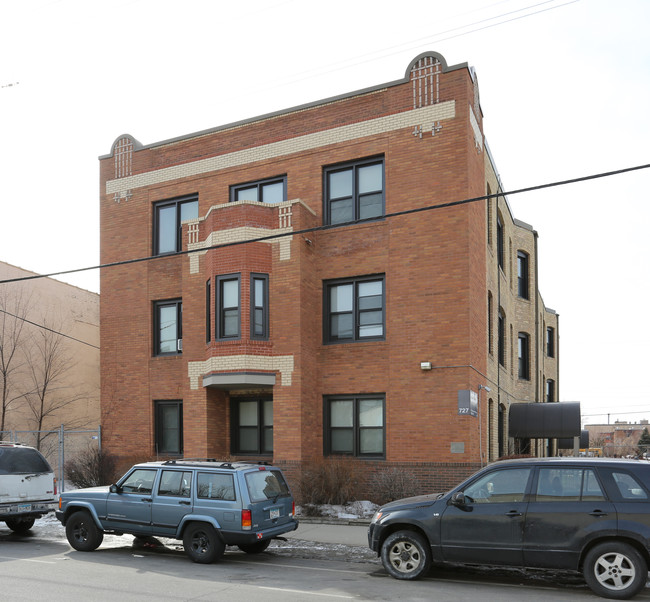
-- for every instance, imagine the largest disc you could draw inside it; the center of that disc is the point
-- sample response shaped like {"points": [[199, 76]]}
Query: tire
{"points": [[255, 548], [20, 525], [202, 543], [82, 532], [406, 555], [615, 570]]}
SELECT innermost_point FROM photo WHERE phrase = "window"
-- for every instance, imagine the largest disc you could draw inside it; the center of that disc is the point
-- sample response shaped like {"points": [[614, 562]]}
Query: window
{"points": [[550, 341], [506, 485], [523, 356], [208, 309], [168, 327], [168, 216], [228, 310], [175, 483], [259, 306], [489, 324], [568, 485], [550, 390], [265, 485], [140, 481], [502, 338], [522, 275], [354, 310], [355, 425], [272, 190], [169, 427], [354, 191], [500, 246], [215, 486], [252, 428], [628, 487]]}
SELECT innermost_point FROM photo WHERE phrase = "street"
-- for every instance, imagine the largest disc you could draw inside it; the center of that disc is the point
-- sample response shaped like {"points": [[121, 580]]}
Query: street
{"points": [[43, 565]]}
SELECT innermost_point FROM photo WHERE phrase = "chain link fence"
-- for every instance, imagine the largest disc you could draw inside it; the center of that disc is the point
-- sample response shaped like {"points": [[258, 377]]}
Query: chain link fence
{"points": [[59, 446]]}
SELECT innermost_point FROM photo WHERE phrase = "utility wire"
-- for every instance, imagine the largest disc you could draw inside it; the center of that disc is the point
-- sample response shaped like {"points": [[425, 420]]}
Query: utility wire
{"points": [[606, 174]]}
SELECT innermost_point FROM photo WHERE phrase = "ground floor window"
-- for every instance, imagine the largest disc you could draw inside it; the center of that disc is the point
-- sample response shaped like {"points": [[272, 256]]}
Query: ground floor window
{"points": [[252, 426], [169, 427], [355, 425]]}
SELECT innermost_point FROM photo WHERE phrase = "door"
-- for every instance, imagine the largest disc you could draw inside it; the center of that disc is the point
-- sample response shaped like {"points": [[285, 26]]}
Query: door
{"points": [[488, 527], [130, 509], [172, 500], [569, 505]]}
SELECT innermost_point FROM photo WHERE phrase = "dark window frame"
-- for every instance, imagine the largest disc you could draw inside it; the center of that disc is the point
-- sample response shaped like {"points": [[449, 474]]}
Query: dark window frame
{"points": [[160, 426], [356, 428], [356, 195], [523, 275], [220, 310], [262, 429], [157, 341], [356, 311], [550, 341], [259, 184], [549, 392], [177, 203], [264, 309], [523, 356], [500, 242], [501, 341], [208, 311]]}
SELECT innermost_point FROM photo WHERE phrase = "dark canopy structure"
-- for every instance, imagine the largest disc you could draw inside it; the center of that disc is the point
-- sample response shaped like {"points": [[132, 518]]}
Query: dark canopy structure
{"points": [[544, 420]]}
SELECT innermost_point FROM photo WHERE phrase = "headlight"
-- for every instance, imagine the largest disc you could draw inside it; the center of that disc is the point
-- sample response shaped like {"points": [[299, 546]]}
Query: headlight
{"points": [[378, 516]]}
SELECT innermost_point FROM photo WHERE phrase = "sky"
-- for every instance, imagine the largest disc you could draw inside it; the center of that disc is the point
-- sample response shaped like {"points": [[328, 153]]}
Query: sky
{"points": [[564, 89]]}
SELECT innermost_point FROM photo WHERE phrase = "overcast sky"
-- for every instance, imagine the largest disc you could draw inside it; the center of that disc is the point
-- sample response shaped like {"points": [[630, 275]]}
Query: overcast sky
{"points": [[564, 89]]}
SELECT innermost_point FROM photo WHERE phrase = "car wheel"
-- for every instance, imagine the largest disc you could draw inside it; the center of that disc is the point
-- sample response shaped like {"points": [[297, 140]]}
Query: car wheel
{"points": [[20, 525], [254, 548], [406, 555], [202, 543], [615, 570], [82, 532]]}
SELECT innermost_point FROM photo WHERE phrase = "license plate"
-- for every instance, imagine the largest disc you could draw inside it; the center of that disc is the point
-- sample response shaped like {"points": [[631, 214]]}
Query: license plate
{"points": [[24, 507], [275, 513]]}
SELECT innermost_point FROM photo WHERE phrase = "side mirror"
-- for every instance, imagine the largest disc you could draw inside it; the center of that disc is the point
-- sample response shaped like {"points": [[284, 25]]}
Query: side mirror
{"points": [[115, 489], [458, 499]]}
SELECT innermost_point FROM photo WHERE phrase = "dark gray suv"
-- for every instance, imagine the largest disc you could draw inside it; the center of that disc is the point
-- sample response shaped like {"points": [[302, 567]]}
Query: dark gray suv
{"points": [[583, 514], [205, 503]]}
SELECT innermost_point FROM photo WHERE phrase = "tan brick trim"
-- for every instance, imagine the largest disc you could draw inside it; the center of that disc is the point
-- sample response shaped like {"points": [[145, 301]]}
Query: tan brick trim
{"points": [[230, 363]]}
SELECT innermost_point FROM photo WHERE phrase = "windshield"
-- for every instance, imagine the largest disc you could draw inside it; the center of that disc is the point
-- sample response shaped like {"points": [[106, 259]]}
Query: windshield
{"points": [[266, 485], [22, 460]]}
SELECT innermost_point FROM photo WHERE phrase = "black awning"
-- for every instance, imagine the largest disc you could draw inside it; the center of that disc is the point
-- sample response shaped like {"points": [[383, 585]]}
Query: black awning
{"points": [[544, 420]]}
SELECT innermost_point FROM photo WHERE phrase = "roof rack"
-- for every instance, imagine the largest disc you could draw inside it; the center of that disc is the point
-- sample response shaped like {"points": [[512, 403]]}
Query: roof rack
{"points": [[182, 461]]}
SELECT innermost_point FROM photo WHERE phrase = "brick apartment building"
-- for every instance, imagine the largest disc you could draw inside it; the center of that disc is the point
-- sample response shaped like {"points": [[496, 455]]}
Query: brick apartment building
{"points": [[301, 302]]}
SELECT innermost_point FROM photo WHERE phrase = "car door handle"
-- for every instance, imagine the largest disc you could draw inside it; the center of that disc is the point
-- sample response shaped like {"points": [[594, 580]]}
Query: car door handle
{"points": [[186, 503], [513, 513], [146, 499], [598, 513]]}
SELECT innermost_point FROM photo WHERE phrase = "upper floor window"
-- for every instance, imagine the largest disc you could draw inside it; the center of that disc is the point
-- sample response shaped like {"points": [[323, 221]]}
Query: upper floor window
{"points": [[489, 323], [523, 356], [354, 310], [168, 327], [550, 391], [501, 343], [208, 308], [259, 296], [500, 243], [271, 190], [522, 275], [169, 427], [354, 191], [355, 425], [550, 341], [228, 307], [168, 216]]}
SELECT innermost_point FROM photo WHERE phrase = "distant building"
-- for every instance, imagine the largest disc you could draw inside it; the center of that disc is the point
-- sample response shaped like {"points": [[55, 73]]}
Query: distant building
{"points": [[315, 294], [618, 439]]}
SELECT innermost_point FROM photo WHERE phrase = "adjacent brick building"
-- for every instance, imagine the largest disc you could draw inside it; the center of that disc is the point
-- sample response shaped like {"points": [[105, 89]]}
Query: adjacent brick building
{"points": [[314, 291]]}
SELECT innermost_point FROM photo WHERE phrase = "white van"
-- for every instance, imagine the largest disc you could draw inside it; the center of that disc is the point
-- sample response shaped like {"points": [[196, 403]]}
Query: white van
{"points": [[27, 486]]}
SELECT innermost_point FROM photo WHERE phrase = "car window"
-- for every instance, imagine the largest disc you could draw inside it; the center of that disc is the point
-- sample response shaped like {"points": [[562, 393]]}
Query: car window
{"points": [[568, 485], [175, 483], [22, 460], [139, 481], [629, 487], [266, 485], [507, 485], [215, 486]]}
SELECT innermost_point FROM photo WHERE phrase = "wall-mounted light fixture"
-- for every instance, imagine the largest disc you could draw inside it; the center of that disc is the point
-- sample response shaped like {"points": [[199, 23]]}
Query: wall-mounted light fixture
{"points": [[425, 366]]}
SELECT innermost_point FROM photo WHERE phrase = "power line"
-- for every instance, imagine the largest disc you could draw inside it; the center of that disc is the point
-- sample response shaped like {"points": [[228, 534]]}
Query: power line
{"points": [[334, 226]]}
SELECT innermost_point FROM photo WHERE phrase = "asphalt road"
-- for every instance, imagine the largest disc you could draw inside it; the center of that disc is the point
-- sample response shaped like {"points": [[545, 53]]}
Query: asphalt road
{"points": [[43, 566]]}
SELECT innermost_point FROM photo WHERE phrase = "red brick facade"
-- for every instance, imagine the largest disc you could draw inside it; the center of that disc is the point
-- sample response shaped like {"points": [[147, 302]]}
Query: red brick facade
{"points": [[434, 266]]}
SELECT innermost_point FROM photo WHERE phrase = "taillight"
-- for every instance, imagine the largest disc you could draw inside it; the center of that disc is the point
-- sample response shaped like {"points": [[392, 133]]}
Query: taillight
{"points": [[293, 508], [60, 502], [246, 520], [55, 492]]}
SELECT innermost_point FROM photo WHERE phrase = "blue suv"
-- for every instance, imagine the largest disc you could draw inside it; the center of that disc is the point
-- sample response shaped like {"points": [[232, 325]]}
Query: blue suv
{"points": [[207, 504]]}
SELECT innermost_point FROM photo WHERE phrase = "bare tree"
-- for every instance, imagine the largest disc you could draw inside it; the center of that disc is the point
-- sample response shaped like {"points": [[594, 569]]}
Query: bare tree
{"points": [[50, 388], [14, 306]]}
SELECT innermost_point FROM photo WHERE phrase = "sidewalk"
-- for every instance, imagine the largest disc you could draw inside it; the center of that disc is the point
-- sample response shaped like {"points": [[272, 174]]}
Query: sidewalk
{"points": [[323, 530]]}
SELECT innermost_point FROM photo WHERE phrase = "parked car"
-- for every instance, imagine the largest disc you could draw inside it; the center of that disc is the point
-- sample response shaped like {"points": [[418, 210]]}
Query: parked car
{"points": [[27, 486], [206, 504], [582, 514]]}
